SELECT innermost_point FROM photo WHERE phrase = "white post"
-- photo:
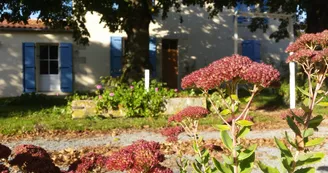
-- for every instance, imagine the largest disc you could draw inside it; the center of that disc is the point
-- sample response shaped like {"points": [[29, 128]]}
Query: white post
{"points": [[235, 35], [292, 84], [147, 80]]}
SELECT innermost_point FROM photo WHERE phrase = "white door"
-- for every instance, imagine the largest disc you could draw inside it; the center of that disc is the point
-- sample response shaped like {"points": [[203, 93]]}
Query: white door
{"points": [[49, 79]]}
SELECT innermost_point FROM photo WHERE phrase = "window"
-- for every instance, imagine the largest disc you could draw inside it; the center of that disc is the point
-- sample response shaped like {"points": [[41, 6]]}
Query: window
{"points": [[48, 59]]}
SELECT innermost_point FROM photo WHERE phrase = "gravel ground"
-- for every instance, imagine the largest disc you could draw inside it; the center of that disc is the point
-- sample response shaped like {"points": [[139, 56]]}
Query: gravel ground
{"points": [[269, 155]]}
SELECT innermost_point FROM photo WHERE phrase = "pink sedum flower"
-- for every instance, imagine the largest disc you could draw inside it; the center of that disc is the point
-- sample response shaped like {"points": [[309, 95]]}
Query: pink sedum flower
{"points": [[176, 90], [261, 74], [156, 89], [172, 133], [111, 94], [131, 87], [141, 156], [222, 70], [193, 112], [100, 96]]}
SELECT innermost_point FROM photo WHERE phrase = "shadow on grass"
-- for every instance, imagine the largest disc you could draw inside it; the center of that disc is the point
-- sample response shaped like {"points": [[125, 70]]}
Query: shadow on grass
{"points": [[29, 103]]}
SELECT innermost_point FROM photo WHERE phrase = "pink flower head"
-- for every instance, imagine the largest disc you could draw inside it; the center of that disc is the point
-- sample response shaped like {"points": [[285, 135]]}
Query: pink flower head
{"points": [[141, 156], [172, 133], [262, 74], [87, 163], [212, 76], [175, 90], [131, 87], [193, 112], [111, 94], [99, 87], [156, 89], [100, 96]]}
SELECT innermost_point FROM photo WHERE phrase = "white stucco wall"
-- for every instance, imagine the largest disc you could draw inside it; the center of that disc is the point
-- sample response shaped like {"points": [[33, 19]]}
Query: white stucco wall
{"points": [[200, 41], [11, 68]]}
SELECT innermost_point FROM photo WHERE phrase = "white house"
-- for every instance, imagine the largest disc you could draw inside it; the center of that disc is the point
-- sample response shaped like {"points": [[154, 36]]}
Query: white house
{"points": [[36, 59]]}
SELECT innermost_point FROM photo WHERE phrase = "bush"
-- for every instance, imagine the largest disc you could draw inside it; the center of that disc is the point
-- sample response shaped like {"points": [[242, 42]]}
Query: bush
{"points": [[134, 99]]}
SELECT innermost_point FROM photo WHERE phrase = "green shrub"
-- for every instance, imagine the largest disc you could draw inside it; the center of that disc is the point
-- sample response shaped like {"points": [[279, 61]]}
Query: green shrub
{"points": [[133, 99]]}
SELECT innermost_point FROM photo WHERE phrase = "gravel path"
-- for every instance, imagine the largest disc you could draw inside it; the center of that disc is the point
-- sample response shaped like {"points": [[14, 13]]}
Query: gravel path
{"points": [[269, 155]]}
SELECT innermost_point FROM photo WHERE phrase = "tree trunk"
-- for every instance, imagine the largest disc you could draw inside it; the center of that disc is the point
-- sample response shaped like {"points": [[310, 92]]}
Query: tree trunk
{"points": [[317, 16], [136, 59]]}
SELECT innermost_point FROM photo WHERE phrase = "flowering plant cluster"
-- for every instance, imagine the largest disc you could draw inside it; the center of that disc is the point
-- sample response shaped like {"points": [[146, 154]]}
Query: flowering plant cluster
{"points": [[31, 158], [172, 133], [141, 156], [192, 112], [133, 98], [223, 76], [227, 69], [310, 51], [89, 162]]}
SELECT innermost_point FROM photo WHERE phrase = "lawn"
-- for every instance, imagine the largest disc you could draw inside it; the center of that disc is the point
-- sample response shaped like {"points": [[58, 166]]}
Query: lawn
{"points": [[43, 113]]}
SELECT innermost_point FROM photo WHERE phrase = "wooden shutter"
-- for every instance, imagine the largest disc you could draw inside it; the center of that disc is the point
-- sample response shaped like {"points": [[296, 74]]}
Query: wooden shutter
{"points": [[29, 67], [116, 54], [66, 67], [152, 55]]}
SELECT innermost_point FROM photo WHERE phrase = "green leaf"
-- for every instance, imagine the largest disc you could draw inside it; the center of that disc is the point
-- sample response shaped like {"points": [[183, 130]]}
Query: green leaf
{"points": [[323, 104], [195, 147], [315, 122], [305, 170], [245, 99], [226, 139], [289, 140], [267, 169], [314, 142], [244, 123], [234, 97], [243, 131], [225, 112], [227, 159], [247, 153], [293, 126], [309, 158], [221, 167], [196, 168], [246, 165], [303, 91], [308, 132], [223, 127], [283, 148]]}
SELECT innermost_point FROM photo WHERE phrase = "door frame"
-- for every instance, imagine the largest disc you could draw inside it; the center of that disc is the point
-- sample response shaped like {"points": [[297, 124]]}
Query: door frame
{"points": [[37, 61]]}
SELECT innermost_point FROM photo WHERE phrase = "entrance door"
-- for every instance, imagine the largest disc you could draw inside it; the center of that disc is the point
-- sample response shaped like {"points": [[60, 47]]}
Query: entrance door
{"points": [[170, 62], [49, 76]]}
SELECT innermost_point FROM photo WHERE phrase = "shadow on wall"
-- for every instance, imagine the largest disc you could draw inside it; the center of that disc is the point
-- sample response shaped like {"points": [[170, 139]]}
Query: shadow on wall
{"points": [[89, 62], [202, 40]]}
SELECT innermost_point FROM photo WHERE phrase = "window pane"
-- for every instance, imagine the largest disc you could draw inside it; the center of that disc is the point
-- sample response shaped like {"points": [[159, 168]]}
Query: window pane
{"points": [[43, 52], [53, 67], [43, 67], [53, 52]]}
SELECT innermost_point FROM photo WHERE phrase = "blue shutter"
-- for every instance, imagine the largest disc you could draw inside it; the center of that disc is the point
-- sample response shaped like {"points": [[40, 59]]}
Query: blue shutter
{"points": [[116, 56], [66, 67], [29, 67], [152, 55], [251, 49]]}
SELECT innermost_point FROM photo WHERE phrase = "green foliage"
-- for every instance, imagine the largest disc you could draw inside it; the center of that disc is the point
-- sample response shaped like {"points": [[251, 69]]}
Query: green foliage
{"points": [[133, 99]]}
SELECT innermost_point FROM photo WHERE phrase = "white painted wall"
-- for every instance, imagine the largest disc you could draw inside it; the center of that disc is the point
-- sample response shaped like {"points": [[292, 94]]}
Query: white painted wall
{"points": [[201, 41]]}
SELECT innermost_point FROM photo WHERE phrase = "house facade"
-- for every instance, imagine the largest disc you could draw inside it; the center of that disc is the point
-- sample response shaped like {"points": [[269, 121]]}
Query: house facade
{"points": [[36, 59]]}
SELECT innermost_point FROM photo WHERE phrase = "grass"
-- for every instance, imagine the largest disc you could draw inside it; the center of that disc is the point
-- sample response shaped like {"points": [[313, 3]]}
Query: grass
{"points": [[32, 113]]}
